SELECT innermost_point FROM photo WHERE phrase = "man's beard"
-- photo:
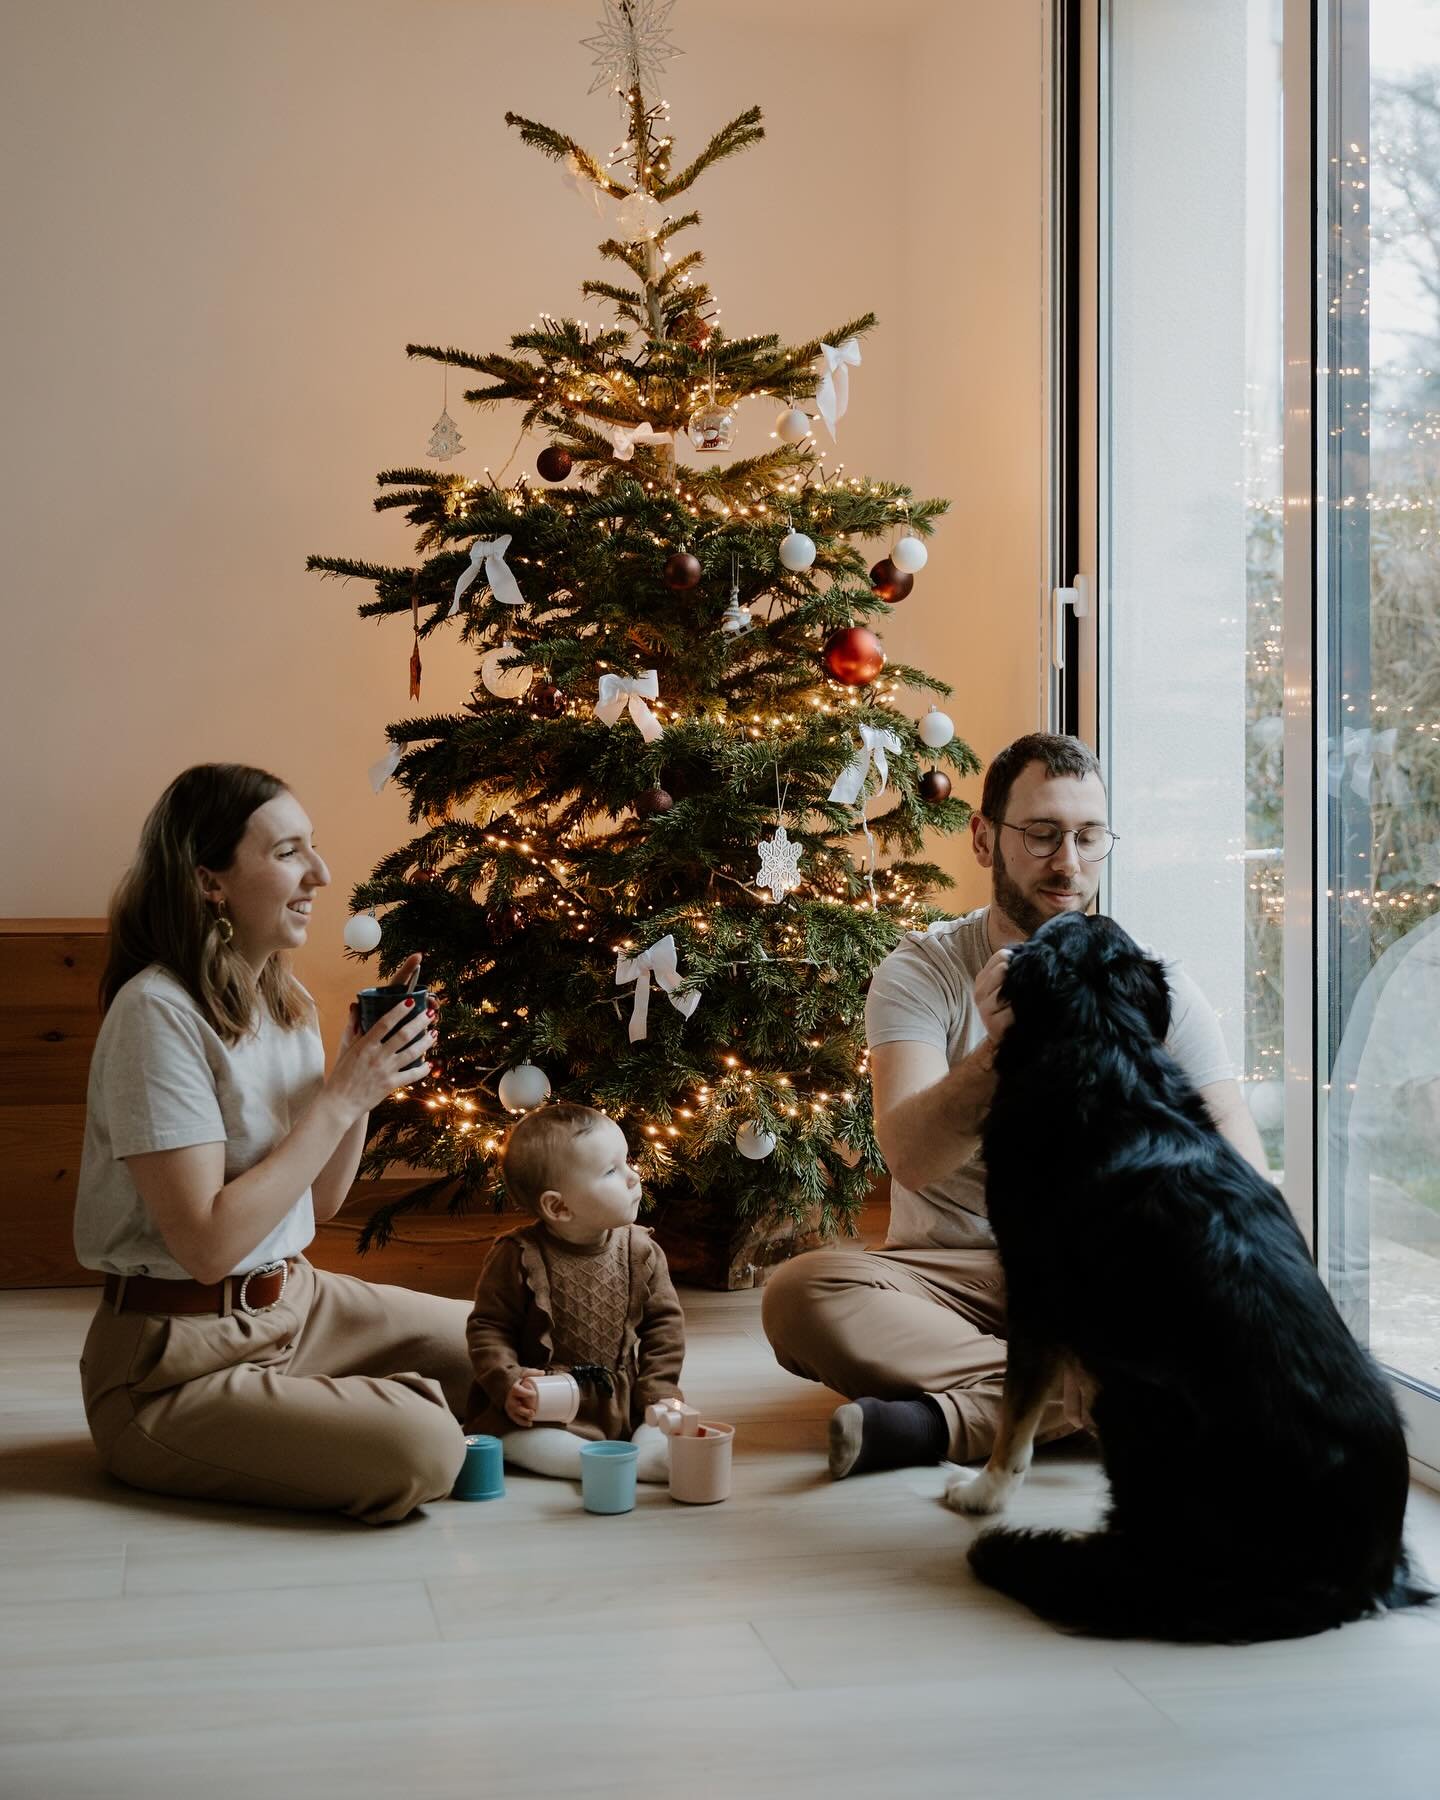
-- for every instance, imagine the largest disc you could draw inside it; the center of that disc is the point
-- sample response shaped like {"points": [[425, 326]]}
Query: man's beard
{"points": [[1016, 905]]}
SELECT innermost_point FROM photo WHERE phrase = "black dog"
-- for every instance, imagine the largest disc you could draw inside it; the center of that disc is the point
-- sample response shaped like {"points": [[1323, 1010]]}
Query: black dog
{"points": [[1257, 1467]]}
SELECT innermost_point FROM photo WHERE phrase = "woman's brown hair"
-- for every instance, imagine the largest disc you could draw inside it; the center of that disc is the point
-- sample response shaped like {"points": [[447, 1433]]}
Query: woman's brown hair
{"points": [[159, 915]]}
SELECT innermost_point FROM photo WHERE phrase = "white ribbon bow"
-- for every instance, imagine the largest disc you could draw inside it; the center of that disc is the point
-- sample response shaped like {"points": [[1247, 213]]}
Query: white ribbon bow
{"points": [[381, 771], [626, 437], [580, 183], [659, 961], [874, 742], [1370, 756], [490, 552], [832, 395], [619, 693]]}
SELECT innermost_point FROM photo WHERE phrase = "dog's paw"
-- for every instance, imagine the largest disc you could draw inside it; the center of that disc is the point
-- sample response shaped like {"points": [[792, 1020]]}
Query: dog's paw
{"points": [[978, 1494]]}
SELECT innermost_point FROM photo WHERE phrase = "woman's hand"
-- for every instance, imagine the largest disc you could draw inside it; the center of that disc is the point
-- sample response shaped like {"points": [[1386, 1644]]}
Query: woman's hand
{"points": [[521, 1401], [372, 1065]]}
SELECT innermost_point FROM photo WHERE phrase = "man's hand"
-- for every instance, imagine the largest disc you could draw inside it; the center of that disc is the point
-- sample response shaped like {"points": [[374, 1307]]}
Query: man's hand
{"points": [[995, 1016], [521, 1401]]}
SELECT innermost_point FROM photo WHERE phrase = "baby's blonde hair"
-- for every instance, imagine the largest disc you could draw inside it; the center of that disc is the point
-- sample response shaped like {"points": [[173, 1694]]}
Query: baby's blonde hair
{"points": [[535, 1148]]}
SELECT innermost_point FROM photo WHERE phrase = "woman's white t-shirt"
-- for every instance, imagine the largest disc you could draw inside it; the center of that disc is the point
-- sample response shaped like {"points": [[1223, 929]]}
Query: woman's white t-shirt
{"points": [[163, 1078]]}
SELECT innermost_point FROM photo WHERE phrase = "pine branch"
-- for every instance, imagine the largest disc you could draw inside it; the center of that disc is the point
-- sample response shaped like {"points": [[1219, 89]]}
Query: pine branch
{"points": [[738, 135], [560, 148]]}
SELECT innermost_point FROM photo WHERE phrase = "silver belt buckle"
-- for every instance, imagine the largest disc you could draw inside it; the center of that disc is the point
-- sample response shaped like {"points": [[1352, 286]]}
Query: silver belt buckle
{"points": [[270, 1268]]}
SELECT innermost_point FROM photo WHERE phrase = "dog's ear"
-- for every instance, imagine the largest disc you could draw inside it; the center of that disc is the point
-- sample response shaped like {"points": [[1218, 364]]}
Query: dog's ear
{"points": [[1135, 977]]}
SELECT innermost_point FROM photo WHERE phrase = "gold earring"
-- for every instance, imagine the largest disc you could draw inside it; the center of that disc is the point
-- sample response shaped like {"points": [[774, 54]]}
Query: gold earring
{"points": [[224, 925]]}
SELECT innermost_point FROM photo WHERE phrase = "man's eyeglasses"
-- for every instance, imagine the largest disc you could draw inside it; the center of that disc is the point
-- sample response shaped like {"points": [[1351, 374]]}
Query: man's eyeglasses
{"points": [[1093, 843]]}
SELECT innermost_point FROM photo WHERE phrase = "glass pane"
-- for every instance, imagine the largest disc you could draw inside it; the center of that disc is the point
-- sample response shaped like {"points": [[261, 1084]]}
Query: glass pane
{"points": [[1191, 507], [1383, 699]]}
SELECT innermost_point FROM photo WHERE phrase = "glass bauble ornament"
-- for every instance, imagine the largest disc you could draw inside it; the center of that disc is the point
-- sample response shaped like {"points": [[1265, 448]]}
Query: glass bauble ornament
{"points": [[797, 551], [362, 933], [890, 583], [754, 1142], [554, 462], [934, 785], [507, 921], [523, 1087], [712, 426], [682, 570], [853, 656], [546, 699], [909, 554], [506, 683], [936, 729]]}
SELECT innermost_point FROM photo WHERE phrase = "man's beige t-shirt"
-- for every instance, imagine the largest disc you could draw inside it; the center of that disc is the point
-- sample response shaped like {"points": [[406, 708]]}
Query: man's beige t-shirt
{"points": [[162, 1078], [924, 993]]}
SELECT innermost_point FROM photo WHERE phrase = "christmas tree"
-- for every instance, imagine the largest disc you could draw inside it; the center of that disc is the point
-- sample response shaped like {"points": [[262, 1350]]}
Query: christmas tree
{"points": [[677, 679]]}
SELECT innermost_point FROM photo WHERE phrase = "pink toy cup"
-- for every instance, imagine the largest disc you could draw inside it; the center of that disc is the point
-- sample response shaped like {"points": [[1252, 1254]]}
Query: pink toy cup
{"points": [[557, 1398], [700, 1465]]}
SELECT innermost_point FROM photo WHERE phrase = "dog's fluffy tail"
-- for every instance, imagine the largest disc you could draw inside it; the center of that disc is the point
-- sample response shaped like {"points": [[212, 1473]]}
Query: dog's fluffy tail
{"points": [[1100, 1585]]}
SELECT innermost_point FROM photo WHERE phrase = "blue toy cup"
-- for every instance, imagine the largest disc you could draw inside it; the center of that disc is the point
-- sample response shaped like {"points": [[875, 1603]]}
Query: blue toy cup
{"points": [[607, 1477], [482, 1474]]}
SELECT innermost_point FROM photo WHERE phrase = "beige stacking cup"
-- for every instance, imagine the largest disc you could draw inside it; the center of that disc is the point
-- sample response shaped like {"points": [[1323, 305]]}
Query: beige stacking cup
{"points": [[557, 1398], [700, 1465]]}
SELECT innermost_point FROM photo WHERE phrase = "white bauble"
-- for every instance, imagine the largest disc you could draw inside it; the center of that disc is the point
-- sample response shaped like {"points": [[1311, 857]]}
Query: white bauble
{"points": [[754, 1142], [936, 729], [506, 683], [523, 1087], [362, 932], [793, 426], [797, 551], [909, 555]]}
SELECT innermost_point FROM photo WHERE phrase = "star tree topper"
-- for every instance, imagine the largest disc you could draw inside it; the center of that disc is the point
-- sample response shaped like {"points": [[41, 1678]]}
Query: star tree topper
{"points": [[779, 864], [631, 43]]}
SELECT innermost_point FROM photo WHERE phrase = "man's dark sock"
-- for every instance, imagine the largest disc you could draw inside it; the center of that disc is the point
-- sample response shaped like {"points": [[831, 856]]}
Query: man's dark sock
{"points": [[868, 1434]]}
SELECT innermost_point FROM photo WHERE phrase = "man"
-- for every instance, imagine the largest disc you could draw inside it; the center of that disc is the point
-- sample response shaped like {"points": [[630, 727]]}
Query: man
{"points": [[914, 1332]]}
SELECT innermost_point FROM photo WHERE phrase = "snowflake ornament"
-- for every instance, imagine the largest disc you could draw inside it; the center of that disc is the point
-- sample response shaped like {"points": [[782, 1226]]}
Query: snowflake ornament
{"points": [[779, 864], [445, 439], [631, 43]]}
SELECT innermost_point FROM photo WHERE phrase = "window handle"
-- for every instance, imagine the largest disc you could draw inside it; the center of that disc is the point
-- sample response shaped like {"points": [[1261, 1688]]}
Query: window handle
{"points": [[1078, 596]]}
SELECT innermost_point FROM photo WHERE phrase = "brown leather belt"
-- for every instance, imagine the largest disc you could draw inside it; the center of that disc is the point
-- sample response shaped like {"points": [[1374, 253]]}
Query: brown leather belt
{"points": [[256, 1292]]}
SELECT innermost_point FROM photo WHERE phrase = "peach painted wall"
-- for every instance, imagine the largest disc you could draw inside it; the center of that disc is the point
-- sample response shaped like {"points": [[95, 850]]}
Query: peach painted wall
{"points": [[221, 225]]}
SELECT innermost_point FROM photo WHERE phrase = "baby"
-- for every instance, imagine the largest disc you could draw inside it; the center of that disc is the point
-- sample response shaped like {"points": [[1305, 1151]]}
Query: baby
{"points": [[584, 1290]]}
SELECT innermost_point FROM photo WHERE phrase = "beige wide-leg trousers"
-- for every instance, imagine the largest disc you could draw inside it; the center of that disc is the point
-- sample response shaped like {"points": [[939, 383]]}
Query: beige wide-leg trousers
{"points": [[342, 1398], [899, 1323]]}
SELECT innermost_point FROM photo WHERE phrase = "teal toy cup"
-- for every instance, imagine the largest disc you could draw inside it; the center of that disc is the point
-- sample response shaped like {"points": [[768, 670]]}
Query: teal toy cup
{"points": [[607, 1477], [482, 1474]]}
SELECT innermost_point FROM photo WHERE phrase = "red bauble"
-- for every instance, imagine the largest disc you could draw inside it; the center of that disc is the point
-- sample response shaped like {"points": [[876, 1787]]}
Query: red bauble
{"points": [[506, 921], [682, 570], [652, 802], [691, 329], [934, 785], [546, 699], [554, 463], [890, 583], [854, 655]]}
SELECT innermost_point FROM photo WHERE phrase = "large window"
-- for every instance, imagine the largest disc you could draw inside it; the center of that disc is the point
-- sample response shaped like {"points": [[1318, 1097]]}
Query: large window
{"points": [[1267, 564]]}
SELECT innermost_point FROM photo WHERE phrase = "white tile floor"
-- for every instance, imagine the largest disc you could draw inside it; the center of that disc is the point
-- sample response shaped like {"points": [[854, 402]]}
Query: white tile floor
{"points": [[805, 1638]]}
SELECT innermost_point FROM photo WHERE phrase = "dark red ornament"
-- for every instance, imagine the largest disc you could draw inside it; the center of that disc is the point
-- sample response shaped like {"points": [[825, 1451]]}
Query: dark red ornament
{"points": [[554, 463], [934, 785], [546, 699], [890, 583], [506, 921], [692, 330], [653, 802], [682, 570], [854, 656]]}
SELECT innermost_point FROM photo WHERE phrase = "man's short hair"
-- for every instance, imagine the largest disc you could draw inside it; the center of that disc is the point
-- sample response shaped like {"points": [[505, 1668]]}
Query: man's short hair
{"points": [[1059, 755], [533, 1156]]}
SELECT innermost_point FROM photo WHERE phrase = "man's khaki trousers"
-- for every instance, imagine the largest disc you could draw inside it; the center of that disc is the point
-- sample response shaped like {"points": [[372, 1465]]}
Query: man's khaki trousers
{"points": [[899, 1323], [342, 1398]]}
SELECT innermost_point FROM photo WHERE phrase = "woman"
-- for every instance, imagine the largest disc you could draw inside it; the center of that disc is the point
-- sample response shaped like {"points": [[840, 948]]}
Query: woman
{"points": [[220, 1364]]}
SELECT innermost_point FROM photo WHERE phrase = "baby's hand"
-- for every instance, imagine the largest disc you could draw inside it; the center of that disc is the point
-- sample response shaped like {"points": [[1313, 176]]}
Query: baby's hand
{"points": [[522, 1399]]}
